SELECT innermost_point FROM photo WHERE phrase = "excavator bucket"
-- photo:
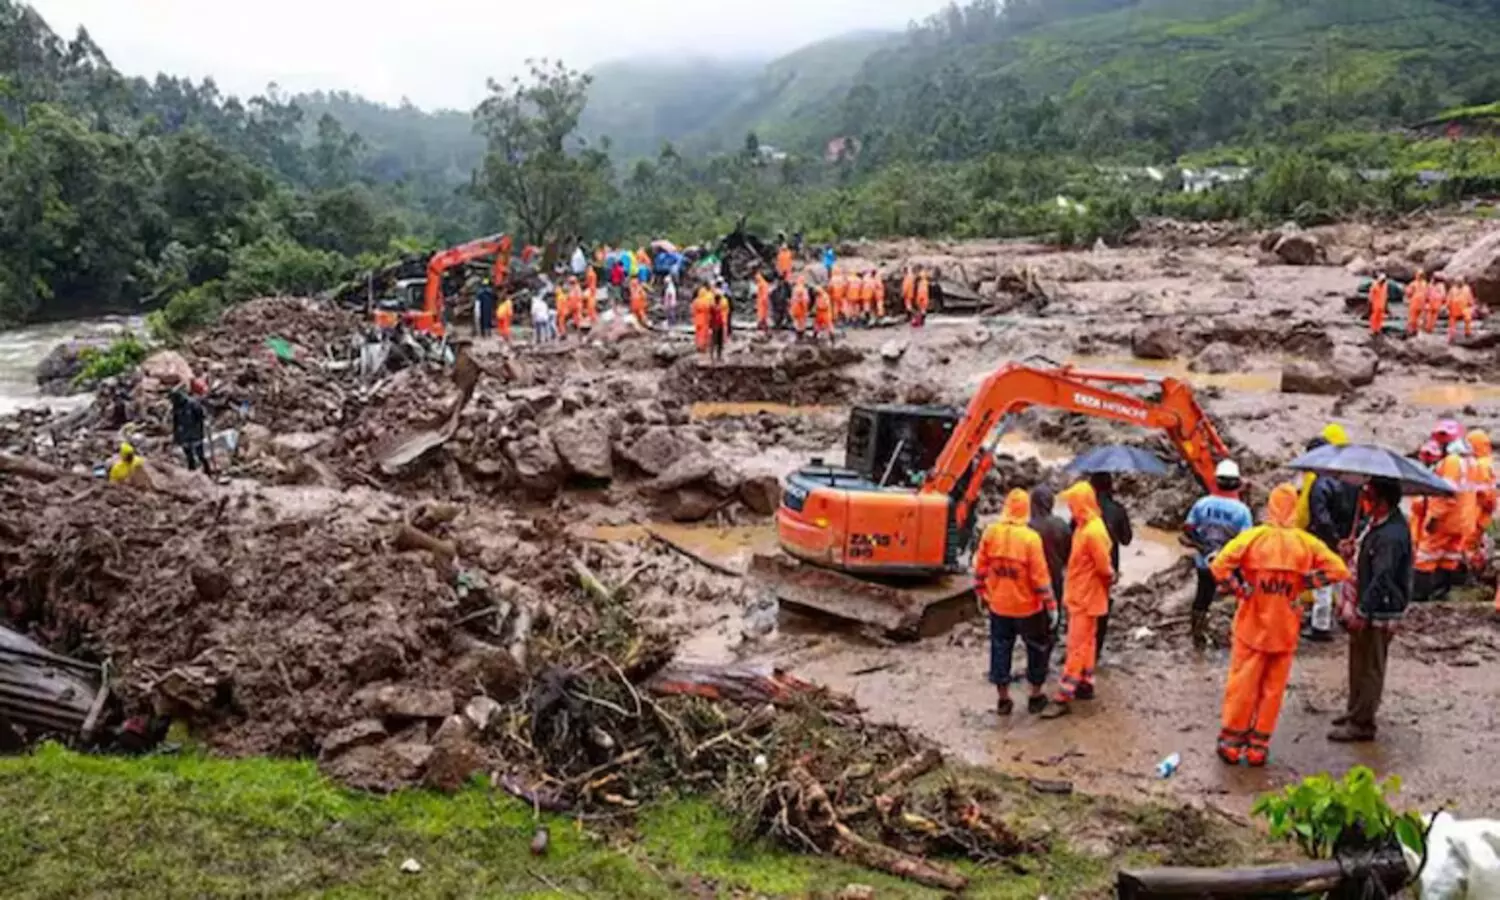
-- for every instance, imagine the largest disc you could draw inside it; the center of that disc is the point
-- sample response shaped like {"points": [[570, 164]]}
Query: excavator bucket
{"points": [[906, 612]]}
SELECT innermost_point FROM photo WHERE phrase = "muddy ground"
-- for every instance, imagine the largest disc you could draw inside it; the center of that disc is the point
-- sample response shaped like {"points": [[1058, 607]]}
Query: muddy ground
{"points": [[272, 608]]}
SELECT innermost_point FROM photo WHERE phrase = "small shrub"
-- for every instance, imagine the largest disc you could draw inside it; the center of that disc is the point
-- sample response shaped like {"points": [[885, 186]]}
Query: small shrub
{"points": [[123, 354], [1326, 817]]}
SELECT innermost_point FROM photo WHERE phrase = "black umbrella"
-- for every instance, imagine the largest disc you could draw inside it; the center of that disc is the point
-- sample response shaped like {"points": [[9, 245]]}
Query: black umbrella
{"points": [[1117, 459], [1358, 463]]}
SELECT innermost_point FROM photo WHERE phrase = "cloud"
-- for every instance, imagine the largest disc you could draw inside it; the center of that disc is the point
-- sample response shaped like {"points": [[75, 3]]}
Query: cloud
{"points": [[438, 53]]}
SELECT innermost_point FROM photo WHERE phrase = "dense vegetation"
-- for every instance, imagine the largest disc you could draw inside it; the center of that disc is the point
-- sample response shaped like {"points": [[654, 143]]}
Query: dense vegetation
{"points": [[989, 119]]}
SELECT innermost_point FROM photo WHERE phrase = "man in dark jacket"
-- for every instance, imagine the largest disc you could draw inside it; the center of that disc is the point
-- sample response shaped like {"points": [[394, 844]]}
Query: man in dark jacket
{"points": [[1383, 591], [189, 424], [1331, 505], [1117, 523], [1057, 537]]}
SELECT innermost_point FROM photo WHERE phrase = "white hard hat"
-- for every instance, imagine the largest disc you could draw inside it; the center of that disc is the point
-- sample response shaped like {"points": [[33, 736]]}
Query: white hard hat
{"points": [[1228, 470]]}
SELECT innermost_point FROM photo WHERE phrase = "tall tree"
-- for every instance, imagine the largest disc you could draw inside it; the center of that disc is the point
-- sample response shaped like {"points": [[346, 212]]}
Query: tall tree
{"points": [[537, 170]]}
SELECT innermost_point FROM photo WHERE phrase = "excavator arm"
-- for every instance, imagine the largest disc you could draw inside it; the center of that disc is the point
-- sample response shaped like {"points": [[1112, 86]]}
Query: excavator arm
{"points": [[497, 245], [960, 470]]}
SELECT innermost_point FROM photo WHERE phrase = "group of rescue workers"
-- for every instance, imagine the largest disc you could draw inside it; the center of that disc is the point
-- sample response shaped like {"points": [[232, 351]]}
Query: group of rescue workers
{"points": [[571, 299], [1426, 301], [1346, 551]]}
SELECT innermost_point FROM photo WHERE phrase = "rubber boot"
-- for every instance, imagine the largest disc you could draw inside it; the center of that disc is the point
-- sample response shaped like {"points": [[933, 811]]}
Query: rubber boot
{"points": [[1200, 629]]}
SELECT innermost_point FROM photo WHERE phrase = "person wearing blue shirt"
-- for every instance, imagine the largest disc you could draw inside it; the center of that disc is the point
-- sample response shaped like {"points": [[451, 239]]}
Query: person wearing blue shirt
{"points": [[1213, 522], [829, 258]]}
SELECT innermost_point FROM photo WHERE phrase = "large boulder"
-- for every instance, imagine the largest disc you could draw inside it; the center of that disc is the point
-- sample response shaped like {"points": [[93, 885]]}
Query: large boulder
{"points": [[62, 364], [537, 466], [1479, 263], [1218, 358], [1348, 368], [1299, 248], [1155, 342], [583, 443], [655, 451], [167, 367], [690, 469], [761, 494], [690, 504]]}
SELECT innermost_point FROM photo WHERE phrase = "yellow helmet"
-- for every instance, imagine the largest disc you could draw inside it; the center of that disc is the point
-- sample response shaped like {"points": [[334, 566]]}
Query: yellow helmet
{"points": [[1334, 434]]}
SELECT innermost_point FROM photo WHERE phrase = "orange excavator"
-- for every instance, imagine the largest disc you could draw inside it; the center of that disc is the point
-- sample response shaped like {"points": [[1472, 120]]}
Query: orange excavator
{"points": [[429, 318], [886, 536]]}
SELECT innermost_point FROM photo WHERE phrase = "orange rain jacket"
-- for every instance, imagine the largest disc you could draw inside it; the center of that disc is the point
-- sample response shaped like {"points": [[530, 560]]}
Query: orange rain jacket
{"points": [[1416, 304], [798, 307], [1448, 521], [823, 311], [908, 290], [762, 300], [504, 313], [1010, 567], [1269, 566], [784, 263], [924, 294], [838, 289], [1380, 294], [1482, 475], [1086, 588]]}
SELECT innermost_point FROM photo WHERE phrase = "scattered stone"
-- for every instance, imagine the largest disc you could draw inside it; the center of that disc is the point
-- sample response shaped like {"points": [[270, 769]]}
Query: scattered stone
{"points": [[481, 711], [655, 451], [538, 467], [1360, 267], [690, 505], [1479, 263], [359, 734], [1218, 358], [381, 768], [1299, 249], [401, 701], [455, 756], [685, 471], [892, 351], [1155, 342], [1306, 377], [167, 367], [583, 442], [411, 867], [856, 892], [761, 494]]}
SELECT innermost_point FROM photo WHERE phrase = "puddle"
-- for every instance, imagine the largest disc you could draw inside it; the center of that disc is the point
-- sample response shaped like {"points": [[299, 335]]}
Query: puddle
{"points": [[1453, 395], [1259, 381], [702, 411], [1152, 551], [729, 547]]}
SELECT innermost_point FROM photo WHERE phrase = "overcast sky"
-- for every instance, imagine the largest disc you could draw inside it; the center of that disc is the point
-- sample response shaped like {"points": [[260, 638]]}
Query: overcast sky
{"points": [[439, 52]]}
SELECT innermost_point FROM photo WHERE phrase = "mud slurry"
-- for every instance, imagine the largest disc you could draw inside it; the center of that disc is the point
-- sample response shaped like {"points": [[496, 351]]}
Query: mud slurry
{"points": [[318, 595]]}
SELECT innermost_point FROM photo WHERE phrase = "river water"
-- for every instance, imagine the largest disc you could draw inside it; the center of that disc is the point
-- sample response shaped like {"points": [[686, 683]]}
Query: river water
{"points": [[22, 348]]}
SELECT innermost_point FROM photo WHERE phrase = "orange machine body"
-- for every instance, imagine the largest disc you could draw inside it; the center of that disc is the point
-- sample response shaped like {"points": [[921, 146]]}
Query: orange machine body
{"points": [[854, 520], [429, 318]]}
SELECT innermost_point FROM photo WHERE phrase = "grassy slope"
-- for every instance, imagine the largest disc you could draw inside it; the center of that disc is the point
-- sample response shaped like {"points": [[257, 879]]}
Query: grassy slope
{"points": [[192, 826], [639, 104]]}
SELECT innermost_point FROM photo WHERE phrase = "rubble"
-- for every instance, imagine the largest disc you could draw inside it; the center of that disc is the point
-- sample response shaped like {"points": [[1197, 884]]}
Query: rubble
{"points": [[1479, 263]]}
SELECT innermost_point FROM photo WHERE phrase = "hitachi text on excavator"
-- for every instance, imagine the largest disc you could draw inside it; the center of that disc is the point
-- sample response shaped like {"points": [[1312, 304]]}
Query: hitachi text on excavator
{"points": [[886, 537]]}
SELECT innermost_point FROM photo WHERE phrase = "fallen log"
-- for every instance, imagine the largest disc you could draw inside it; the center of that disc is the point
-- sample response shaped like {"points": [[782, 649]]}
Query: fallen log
{"points": [[591, 583], [34, 469], [913, 767], [1263, 881]]}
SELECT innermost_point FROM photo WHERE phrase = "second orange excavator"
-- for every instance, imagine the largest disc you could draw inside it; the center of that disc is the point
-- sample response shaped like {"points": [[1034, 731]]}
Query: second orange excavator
{"points": [[888, 534], [429, 317]]}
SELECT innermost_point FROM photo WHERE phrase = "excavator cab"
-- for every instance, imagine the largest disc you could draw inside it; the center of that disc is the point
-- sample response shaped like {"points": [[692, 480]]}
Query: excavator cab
{"points": [[896, 445]]}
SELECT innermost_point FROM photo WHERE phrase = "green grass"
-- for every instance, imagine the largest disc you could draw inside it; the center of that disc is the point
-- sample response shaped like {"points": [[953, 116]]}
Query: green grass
{"points": [[198, 826]]}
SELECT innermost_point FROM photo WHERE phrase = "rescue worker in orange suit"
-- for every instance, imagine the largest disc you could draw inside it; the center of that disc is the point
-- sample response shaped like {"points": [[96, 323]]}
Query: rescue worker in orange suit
{"points": [[908, 291], [1437, 301], [1447, 523], [1085, 595], [505, 313], [1460, 307], [924, 295], [762, 302], [575, 303], [784, 262], [879, 289], [1429, 455], [1012, 578], [838, 292], [823, 315], [1416, 303], [719, 317], [562, 312], [867, 296], [702, 308], [591, 291], [799, 306], [1380, 300], [1482, 477], [1266, 567], [638, 301]]}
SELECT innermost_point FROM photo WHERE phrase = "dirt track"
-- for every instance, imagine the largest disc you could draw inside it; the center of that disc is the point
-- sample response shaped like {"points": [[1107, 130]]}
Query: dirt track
{"points": [[573, 448]]}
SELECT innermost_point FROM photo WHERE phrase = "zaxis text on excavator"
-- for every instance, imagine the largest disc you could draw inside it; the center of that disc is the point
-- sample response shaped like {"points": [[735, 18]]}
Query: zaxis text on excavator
{"points": [[859, 539]]}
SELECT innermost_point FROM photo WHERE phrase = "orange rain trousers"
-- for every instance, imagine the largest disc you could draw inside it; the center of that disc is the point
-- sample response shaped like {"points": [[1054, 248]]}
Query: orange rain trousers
{"points": [[1416, 305], [1460, 307], [1379, 304], [1437, 301], [503, 317], [1253, 694], [1083, 652]]}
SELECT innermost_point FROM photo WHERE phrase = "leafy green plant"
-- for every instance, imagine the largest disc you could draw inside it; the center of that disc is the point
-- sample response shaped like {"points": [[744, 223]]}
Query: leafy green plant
{"points": [[1325, 816], [123, 354]]}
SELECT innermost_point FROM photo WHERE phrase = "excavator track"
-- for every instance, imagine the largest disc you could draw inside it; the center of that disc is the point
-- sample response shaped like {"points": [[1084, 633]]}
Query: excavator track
{"points": [[901, 611]]}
